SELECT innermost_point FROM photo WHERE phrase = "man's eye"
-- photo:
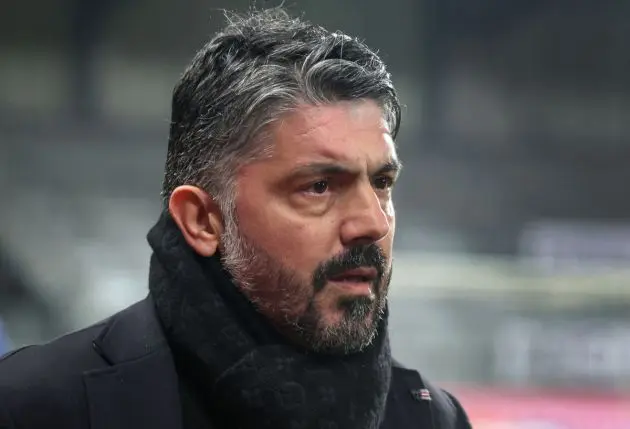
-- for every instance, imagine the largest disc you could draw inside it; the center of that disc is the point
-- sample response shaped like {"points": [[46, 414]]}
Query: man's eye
{"points": [[383, 182], [319, 187]]}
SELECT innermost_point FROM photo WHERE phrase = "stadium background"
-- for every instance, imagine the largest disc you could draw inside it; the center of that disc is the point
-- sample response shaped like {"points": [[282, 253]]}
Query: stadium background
{"points": [[512, 282]]}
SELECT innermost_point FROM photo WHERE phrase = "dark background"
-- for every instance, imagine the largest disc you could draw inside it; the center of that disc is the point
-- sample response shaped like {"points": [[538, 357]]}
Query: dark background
{"points": [[514, 206]]}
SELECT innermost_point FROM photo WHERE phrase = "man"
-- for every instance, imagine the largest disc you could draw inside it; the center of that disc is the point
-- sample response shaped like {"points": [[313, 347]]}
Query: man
{"points": [[271, 262]]}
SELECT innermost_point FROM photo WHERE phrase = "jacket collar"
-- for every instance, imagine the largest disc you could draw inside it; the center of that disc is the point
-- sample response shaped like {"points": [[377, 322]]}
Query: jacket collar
{"points": [[139, 387]]}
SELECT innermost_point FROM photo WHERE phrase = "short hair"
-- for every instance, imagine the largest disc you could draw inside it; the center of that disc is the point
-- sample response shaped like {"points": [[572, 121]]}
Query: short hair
{"points": [[258, 67]]}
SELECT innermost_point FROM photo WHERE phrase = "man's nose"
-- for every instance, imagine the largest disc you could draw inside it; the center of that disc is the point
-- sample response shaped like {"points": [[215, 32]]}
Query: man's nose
{"points": [[366, 220]]}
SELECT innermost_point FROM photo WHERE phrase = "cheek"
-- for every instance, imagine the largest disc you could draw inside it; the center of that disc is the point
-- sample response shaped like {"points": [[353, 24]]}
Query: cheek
{"points": [[392, 223], [302, 246], [299, 244], [390, 213]]}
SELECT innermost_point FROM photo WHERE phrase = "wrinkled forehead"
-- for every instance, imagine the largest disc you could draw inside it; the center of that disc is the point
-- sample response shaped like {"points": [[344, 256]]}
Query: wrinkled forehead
{"points": [[347, 132]]}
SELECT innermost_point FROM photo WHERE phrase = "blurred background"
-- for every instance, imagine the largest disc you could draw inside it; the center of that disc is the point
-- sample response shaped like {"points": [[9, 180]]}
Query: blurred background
{"points": [[512, 283]]}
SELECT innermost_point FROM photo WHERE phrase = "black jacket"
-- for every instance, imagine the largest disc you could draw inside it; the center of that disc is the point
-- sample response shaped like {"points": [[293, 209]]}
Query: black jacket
{"points": [[119, 374]]}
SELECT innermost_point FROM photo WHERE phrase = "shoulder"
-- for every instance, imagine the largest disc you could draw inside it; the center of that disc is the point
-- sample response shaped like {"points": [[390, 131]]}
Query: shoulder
{"points": [[48, 377], [59, 358], [131, 331], [446, 411]]}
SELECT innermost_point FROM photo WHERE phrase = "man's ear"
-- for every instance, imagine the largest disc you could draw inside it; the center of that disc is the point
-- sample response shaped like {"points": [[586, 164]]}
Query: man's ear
{"points": [[198, 217]]}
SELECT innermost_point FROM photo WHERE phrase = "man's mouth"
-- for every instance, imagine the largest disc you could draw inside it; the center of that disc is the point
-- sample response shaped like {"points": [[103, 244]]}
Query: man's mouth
{"points": [[359, 279], [364, 274]]}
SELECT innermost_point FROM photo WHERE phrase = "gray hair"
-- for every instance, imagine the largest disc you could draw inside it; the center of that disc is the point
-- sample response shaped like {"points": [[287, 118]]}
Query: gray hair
{"points": [[259, 67]]}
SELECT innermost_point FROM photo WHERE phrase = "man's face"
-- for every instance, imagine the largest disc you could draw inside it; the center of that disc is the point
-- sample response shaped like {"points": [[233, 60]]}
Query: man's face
{"points": [[314, 225]]}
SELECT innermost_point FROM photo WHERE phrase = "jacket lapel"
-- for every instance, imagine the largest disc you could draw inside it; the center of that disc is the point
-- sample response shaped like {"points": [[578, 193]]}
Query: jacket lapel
{"points": [[410, 403], [413, 402], [139, 388]]}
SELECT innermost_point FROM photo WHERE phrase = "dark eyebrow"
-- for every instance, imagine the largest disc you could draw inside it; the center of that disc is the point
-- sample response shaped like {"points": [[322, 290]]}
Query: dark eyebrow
{"points": [[392, 166], [320, 168], [332, 169]]}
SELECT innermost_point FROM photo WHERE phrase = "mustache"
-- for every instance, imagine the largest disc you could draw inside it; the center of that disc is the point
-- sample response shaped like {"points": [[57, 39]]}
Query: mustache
{"points": [[369, 255]]}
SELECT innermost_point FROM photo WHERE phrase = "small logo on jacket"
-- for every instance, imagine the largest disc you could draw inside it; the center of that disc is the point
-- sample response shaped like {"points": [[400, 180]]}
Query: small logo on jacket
{"points": [[421, 394]]}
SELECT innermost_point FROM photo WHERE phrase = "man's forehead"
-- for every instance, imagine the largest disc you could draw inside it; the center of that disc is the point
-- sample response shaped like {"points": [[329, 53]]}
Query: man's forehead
{"points": [[345, 132], [368, 157], [307, 119]]}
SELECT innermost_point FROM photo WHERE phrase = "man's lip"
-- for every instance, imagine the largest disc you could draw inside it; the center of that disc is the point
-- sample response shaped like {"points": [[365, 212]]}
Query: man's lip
{"points": [[369, 273]]}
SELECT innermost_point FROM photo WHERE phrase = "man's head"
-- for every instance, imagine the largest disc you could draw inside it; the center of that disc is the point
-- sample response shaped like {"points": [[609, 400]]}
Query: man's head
{"points": [[281, 159]]}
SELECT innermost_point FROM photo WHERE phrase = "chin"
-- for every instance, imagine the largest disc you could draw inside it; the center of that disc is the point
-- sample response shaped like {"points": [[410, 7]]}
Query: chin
{"points": [[337, 319], [339, 324], [346, 328], [343, 338]]}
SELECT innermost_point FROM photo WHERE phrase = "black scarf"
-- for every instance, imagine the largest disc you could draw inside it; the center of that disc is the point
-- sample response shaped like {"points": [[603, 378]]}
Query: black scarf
{"points": [[250, 377]]}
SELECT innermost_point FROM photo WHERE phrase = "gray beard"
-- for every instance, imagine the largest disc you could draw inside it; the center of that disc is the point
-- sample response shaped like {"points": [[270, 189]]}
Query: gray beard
{"points": [[252, 267]]}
